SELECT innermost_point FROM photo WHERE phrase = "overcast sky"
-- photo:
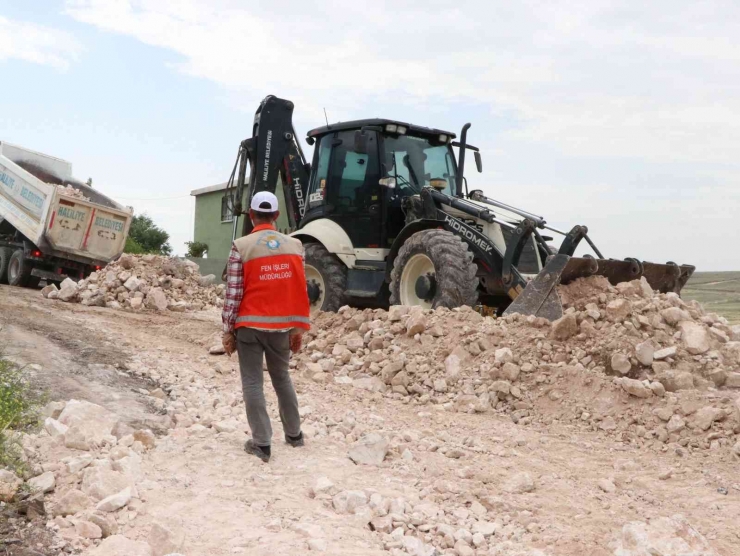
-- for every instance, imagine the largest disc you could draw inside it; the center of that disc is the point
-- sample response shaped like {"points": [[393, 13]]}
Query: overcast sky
{"points": [[624, 116]]}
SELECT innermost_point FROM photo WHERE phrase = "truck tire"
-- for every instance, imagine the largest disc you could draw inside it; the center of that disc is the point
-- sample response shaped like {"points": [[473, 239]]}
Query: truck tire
{"points": [[434, 268], [5, 253], [326, 278], [19, 270]]}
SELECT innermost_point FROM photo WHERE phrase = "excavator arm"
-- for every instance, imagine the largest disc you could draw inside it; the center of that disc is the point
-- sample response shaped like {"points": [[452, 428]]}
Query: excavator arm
{"points": [[273, 151]]}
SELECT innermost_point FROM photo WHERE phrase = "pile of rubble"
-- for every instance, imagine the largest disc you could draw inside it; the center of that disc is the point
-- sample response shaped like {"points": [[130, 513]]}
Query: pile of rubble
{"points": [[647, 367], [94, 491], [69, 191], [138, 282]]}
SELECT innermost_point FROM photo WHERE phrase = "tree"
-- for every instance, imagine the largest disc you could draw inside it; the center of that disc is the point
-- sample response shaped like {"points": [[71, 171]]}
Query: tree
{"points": [[196, 249], [147, 237], [132, 247]]}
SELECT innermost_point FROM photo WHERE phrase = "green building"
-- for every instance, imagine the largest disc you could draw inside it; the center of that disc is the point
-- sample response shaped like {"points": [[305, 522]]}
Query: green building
{"points": [[214, 225]]}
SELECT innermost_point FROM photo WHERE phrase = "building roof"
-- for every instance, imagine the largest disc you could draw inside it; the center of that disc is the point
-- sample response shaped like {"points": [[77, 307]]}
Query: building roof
{"points": [[209, 189]]}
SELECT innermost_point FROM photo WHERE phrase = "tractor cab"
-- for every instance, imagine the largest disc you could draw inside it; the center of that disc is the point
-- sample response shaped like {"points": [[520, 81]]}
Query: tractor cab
{"points": [[363, 170]]}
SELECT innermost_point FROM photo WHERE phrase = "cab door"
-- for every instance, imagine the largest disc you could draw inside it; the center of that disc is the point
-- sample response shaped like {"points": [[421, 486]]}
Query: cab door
{"points": [[351, 189]]}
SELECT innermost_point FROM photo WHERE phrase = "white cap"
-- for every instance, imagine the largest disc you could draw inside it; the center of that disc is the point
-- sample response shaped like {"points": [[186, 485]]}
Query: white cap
{"points": [[264, 201]]}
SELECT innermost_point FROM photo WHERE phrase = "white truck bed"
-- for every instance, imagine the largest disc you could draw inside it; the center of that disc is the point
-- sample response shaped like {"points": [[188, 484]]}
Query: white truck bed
{"points": [[89, 231]]}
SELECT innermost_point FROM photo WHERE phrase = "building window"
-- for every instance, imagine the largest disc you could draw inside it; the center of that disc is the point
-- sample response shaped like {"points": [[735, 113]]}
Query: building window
{"points": [[227, 214]]}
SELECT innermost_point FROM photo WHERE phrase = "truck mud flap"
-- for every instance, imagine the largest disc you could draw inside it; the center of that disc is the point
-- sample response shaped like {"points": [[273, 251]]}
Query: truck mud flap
{"points": [[48, 275]]}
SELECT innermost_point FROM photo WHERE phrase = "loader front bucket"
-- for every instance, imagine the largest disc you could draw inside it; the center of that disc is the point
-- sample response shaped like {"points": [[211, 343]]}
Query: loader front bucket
{"points": [[540, 298], [667, 277], [617, 271]]}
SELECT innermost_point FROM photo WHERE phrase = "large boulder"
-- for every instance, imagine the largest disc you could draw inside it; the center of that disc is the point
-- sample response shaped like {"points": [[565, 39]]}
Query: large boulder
{"points": [[91, 421], [349, 501], [644, 352], [88, 530], [371, 449], [108, 525], [665, 353], [636, 388], [663, 535], [673, 381], [127, 261], [564, 327], [132, 284], [732, 380], [9, 485], [42, 483], [166, 536], [68, 290], [453, 365], [694, 337], [101, 482], [48, 289], [519, 483], [674, 315], [620, 363], [397, 312], [115, 501], [416, 323], [73, 502], [156, 299], [414, 546], [618, 309], [372, 384], [706, 416], [731, 353]]}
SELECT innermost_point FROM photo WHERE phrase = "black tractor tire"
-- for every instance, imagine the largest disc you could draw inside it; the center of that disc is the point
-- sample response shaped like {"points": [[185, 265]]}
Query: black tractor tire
{"points": [[454, 269], [19, 270], [5, 254], [333, 276]]}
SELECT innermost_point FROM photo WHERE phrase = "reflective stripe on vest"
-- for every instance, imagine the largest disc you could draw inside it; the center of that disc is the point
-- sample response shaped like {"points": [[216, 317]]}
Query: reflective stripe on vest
{"points": [[272, 320]]}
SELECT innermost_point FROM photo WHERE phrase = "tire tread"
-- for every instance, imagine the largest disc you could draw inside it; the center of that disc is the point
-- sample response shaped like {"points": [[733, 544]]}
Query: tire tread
{"points": [[453, 262]]}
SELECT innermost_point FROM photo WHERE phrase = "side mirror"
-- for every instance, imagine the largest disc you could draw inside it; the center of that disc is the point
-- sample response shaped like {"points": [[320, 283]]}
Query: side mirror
{"points": [[390, 183], [361, 142], [478, 161]]}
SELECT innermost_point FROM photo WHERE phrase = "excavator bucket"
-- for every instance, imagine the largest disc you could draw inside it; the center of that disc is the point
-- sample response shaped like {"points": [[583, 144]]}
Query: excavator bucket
{"points": [[540, 298]]}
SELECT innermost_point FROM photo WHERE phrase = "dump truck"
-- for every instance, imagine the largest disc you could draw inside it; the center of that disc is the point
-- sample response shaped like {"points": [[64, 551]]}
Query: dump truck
{"points": [[53, 226]]}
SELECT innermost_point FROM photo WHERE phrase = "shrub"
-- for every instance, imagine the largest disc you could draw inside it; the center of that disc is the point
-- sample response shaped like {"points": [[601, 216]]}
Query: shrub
{"points": [[19, 405], [132, 247], [196, 249]]}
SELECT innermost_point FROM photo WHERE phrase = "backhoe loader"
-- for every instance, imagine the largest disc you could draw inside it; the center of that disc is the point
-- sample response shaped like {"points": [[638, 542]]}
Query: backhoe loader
{"points": [[385, 216]]}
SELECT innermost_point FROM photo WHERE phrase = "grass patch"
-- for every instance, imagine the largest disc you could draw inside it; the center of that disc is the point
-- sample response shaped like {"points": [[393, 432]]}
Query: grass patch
{"points": [[719, 292], [19, 407]]}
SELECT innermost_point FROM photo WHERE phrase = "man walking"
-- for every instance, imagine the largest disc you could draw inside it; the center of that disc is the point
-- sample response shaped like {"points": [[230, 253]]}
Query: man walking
{"points": [[265, 313]]}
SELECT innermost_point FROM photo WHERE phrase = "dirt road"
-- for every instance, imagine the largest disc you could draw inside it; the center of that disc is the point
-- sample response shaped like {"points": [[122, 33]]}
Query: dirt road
{"points": [[555, 489]]}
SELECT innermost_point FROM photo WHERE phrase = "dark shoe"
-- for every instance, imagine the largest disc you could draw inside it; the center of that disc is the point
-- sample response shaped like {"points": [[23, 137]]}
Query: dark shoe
{"points": [[295, 441], [262, 452]]}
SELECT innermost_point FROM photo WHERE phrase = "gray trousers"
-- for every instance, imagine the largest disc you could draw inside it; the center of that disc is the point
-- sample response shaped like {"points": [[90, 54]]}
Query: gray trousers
{"points": [[251, 345]]}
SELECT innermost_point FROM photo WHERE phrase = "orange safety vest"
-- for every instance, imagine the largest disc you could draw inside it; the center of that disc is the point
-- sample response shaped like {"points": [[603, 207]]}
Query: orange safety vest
{"points": [[275, 295]]}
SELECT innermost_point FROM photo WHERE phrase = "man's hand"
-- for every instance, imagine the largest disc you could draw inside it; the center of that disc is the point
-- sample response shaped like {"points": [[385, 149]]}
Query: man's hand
{"points": [[229, 342], [296, 340]]}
